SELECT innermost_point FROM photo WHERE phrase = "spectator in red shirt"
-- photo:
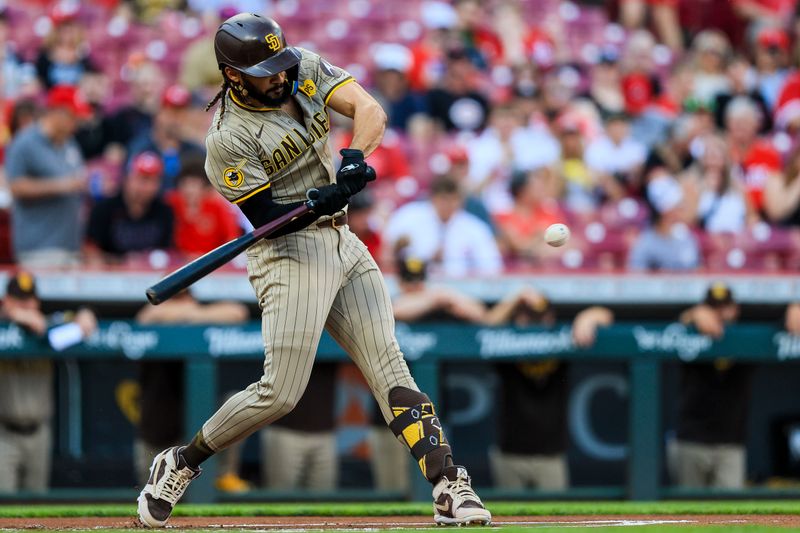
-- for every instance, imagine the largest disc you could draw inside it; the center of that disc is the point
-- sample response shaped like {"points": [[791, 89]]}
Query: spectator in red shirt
{"points": [[535, 208], [761, 13], [359, 218], [640, 86], [203, 220], [757, 158], [771, 52], [482, 45]]}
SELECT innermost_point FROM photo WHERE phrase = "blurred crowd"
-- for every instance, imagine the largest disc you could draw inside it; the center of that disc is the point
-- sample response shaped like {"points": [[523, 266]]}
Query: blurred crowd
{"points": [[664, 132]]}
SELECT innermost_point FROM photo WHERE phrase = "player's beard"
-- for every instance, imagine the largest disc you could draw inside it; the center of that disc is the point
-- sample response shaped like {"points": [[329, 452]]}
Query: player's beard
{"points": [[264, 98]]}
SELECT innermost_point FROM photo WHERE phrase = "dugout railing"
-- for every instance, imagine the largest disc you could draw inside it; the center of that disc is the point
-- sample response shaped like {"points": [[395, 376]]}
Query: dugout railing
{"points": [[643, 346]]}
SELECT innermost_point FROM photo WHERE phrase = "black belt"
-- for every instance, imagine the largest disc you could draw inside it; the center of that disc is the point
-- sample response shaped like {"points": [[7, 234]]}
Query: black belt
{"points": [[21, 429], [334, 222]]}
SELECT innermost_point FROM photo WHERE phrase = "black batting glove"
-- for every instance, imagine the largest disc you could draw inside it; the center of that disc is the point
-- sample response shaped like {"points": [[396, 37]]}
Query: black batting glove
{"points": [[329, 200], [352, 175]]}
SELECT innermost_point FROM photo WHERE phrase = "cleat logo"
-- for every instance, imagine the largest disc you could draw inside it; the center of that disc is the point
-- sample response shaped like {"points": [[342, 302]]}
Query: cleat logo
{"points": [[443, 508]]}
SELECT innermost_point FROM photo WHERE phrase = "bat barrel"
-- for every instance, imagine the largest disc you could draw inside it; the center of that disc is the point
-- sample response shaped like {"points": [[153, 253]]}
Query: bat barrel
{"points": [[199, 268], [208, 263]]}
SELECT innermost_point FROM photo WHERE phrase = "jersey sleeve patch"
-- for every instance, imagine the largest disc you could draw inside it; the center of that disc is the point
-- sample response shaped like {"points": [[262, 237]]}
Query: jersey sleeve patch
{"points": [[308, 87], [233, 167], [323, 76], [233, 176]]}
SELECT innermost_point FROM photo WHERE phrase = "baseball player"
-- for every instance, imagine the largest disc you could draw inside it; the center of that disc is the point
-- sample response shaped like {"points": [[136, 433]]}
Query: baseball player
{"points": [[267, 146]]}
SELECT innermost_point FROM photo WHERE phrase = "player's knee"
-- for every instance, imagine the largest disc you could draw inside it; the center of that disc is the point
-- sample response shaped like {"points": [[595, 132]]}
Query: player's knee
{"points": [[286, 404]]}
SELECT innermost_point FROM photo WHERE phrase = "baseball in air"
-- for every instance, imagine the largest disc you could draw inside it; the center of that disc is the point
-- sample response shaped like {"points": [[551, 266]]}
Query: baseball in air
{"points": [[556, 235]]}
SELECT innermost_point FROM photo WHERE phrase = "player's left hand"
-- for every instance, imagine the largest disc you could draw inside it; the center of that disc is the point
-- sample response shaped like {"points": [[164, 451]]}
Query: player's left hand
{"points": [[353, 174]]}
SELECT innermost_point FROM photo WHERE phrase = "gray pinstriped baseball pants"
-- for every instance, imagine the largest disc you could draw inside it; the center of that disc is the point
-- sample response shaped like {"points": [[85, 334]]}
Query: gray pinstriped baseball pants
{"points": [[306, 281]]}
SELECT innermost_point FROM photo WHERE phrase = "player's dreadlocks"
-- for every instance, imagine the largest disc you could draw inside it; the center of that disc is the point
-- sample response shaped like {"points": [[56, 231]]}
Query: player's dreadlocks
{"points": [[220, 96]]}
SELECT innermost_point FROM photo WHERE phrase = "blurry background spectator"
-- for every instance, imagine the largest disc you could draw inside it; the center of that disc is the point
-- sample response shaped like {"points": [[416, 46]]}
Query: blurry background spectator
{"points": [[742, 81], [667, 244], [27, 388], [521, 229], [134, 118], [64, 56], [711, 52], [664, 14], [457, 103], [18, 77], [47, 179], [439, 232], [203, 219], [197, 73], [534, 395], [168, 136], [135, 220], [756, 157], [771, 62], [709, 449], [782, 193], [721, 203], [507, 145], [616, 158], [392, 88]]}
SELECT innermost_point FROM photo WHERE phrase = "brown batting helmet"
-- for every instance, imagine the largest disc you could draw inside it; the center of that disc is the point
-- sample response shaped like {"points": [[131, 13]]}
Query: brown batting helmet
{"points": [[255, 45]]}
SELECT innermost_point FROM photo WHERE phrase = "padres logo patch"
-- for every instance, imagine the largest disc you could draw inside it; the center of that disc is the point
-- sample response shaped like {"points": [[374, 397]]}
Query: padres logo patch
{"points": [[273, 42], [233, 176], [308, 88]]}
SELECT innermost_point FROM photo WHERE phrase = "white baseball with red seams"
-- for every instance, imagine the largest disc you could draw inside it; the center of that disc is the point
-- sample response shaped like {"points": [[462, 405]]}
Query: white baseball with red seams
{"points": [[556, 235]]}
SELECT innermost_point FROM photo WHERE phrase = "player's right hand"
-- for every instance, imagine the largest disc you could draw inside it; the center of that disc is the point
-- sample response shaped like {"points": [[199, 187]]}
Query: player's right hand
{"points": [[330, 199]]}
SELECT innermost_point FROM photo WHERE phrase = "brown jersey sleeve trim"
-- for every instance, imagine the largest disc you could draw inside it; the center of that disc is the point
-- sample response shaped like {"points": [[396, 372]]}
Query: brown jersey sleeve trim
{"points": [[251, 193], [336, 87]]}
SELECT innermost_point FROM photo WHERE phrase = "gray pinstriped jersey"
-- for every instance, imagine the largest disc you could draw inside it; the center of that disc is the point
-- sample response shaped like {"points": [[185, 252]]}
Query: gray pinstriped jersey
{"points": [[259, 148]]}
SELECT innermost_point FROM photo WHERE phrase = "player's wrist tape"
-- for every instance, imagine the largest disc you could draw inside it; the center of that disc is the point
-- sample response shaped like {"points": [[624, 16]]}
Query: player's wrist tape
{"points": [[351, 153]]}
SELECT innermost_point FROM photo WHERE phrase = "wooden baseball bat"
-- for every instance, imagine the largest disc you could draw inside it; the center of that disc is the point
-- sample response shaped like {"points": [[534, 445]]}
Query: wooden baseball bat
{"points": [[205, 264]]}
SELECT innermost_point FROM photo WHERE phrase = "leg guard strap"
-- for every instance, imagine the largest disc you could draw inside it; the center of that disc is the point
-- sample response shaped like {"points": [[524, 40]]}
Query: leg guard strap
{"points": [[416, 424], [410, 416]]}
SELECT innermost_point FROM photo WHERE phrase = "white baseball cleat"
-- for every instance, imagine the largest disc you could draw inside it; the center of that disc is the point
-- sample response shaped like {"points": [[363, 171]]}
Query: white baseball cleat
{"points": [[169, 477], [454, 501]]}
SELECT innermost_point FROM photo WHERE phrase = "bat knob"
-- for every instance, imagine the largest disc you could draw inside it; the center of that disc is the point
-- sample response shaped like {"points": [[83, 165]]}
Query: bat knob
{"points": [[312, 195], [152, 296]]}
